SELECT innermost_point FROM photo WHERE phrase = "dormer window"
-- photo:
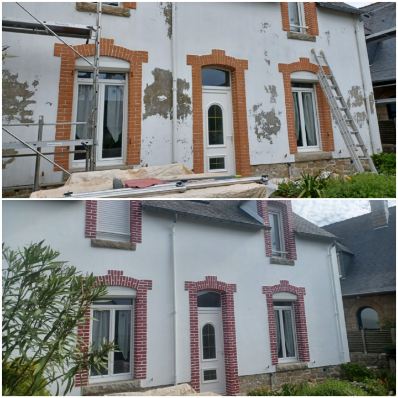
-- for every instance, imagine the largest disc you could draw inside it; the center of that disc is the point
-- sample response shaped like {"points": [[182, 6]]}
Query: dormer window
{"points": [[297, 17], [277, 239]]}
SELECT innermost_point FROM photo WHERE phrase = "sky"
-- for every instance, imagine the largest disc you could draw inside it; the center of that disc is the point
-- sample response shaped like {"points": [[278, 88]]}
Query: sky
{"points": [[323, 211], [360, 3]]}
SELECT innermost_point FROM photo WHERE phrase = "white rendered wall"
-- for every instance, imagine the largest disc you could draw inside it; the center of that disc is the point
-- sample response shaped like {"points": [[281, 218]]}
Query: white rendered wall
{"points": [[251, 31], [234, 255]]}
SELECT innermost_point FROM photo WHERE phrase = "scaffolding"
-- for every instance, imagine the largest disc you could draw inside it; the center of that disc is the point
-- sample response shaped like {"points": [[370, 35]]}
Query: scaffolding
{"points": [[57, 30]]}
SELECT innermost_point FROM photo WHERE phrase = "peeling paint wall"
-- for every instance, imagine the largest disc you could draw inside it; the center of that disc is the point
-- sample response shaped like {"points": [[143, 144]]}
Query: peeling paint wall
{"points": [[167, 10], [266, 124]]}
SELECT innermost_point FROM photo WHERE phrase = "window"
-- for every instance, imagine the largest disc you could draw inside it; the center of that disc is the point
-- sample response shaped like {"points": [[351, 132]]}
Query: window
{"points": [[277, 238], [368, 319], [305, 116], [297, 17], [215, 125], [215, 77], [113, 220], [217, 163], [112, 321], [286, 334], [208, 341], [209, 299], [110, 118]]}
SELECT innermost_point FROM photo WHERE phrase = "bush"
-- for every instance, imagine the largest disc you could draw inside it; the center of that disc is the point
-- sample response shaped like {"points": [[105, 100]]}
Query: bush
{"points": [[385, 163], [261, 392], [374, 387], [388, 378], [365, 185], [287, 189], [356, 372]]}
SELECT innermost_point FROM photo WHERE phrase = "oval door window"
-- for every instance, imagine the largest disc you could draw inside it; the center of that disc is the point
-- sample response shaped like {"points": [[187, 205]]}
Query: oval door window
{"points": [[215, 124], [208, 341]]}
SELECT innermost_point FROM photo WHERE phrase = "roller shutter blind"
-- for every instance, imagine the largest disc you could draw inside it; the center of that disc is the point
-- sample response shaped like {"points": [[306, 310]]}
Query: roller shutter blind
{"points": [[113, 220]]}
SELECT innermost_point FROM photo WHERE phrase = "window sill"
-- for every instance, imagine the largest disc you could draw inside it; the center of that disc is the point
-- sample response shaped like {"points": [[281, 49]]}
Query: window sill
{"points": [[281, 261], [310, 156], [111, 244], [110, 10], [286, 367], [300, 36]]}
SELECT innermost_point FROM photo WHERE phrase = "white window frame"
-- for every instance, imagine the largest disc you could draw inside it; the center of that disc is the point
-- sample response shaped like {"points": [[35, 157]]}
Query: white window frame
{"points": [[112, 308], [300, 91], [216, 157], [282, 252], [279, 309], [301, 14], [77, 164]]}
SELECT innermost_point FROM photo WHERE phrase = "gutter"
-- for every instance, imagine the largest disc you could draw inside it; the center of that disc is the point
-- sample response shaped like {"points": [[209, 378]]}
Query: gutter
{"points": [[174, 282], [174, 73]]}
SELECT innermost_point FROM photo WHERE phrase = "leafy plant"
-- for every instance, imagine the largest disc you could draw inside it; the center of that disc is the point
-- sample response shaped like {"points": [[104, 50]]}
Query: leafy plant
{"points": [[311, 186], [388, 378], [373, 387], [288, 189], [355, 372], [385, 163], [44, 300]]}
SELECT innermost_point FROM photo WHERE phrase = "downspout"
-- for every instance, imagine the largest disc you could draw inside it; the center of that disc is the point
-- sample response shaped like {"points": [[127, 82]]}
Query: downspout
{"points": [[366, 84], [174, 276], [336, 307], [174, 72]]}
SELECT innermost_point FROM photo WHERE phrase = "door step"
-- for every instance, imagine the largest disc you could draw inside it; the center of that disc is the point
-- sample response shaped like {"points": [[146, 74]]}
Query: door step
{"points": [[112, 387]]}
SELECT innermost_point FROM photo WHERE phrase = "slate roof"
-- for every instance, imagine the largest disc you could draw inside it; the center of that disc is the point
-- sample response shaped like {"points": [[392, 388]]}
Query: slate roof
{"points": [[228, 212], [343, 7], [379, 17], [373, 267]]}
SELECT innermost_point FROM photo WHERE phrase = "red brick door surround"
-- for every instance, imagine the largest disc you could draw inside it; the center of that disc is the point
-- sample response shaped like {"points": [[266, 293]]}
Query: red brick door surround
{"points": [[325, 117], [226, 291], [237, 67], [299, 315], [65, 95], [116, 278]]}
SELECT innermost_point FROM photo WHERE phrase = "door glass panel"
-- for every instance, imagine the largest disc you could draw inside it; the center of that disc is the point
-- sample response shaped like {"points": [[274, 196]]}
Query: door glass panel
{"points": [[100, 335], [209, 341], [215, 77], [297, 119], [84, 109], [309, 118], [215, 122], [209, 374], [289, 334], [278, 335], [121, 355], [217, 163], [113, 122]]}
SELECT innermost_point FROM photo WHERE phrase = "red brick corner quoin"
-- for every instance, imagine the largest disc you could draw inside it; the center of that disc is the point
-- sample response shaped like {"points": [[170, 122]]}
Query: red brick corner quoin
{"points": [[228, 318], [325, 117], [65, 95], [237, 67], [135, 220], [116, 278], [299, 315]]}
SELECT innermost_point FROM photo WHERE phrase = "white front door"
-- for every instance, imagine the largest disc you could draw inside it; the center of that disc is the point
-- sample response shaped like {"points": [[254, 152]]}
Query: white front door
{"points": [[212, 363], [219, 153]]}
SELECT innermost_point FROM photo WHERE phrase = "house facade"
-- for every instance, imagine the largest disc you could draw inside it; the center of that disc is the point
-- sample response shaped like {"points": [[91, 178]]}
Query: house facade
{"points": [[245, 87], [224, 295]]}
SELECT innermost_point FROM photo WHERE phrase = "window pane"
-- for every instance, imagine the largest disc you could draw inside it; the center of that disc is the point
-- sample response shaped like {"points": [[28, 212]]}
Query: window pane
{"points": [[297, 119], [294, 17], [289, 334], [369, 319], [84, 112], [215, 123], [113, 122], [122, 341], [100, 335], [113, 301], [209, 299], [208, 341], [217, 163], [101, 75], [278, 335], [215, 77], [309, 119], [275, 233], [113, 220], [209, 374]]}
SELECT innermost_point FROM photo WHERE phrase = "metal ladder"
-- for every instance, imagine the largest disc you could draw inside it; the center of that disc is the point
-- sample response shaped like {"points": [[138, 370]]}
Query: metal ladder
{"points": [[343, 116]]}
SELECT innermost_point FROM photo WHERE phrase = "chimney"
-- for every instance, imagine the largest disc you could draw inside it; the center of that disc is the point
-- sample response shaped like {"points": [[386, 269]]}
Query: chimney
{"points": [[379, 211]]}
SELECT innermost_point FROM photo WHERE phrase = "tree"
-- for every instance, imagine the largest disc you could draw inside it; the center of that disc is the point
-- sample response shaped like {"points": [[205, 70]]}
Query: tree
{"points": [[44, 300]]}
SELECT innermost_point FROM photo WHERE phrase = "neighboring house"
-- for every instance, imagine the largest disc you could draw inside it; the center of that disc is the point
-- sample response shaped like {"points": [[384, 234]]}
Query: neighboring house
{"points": [[380, 30], [224, 295], [366, 252], [249, 100]]}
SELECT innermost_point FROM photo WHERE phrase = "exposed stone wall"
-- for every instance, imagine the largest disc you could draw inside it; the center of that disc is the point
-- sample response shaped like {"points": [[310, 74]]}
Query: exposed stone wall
{"points": [[313, 167], [290, 374], [378, 360]]}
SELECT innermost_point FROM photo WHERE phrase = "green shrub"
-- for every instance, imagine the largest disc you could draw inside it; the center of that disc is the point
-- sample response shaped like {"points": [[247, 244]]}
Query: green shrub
{"points": [[374, 387], [287, 189], [385, 163], [356, 372], [388, 378], [311, 186], [261, 392], [332, 387], [365, 185]]}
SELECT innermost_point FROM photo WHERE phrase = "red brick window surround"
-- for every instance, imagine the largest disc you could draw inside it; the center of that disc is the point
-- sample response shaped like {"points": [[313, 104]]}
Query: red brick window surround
{"points": [[237, 67], [66, 88], [135, 220], [324, 114], [299, 316], [311, 18], [285, 208], [226, 291], [116, 278]]}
